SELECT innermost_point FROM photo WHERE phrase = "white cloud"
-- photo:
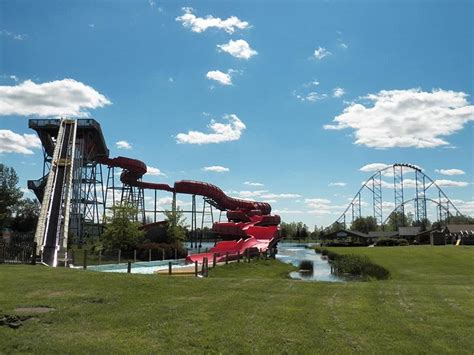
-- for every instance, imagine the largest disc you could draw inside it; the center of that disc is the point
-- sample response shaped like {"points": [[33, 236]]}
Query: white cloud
{"points": [[220, 77], [249, 194], [286, 211], [11, 142], [253, 183], [343, 45], [123, 145], [406, 118], [450, 172], [201, 24], [321, 52], [65, 97], [277, 196], [216, 169], [451, 183], [466, 207], [312, 96], [322, 206], [221, 132], [337, 184], [13, 77], [154, 171], [338, 92], [238, 49], [15, 36], [374, 167]]}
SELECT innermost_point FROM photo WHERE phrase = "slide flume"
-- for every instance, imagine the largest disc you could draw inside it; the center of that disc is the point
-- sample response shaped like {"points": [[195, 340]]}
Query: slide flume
{"points": [[250, 223]]}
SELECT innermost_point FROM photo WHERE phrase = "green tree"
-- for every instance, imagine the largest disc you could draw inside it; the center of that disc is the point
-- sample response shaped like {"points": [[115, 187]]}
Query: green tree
{"points": [[364, 224], [176, 232], [396, 220], [10, 194], [424, 224], [304, 232], [335, 227], [121, 232], [26, 215]]}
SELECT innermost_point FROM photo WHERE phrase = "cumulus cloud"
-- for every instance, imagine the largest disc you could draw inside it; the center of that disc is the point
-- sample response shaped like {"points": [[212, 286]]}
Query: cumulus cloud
{"points": [[450, 172], [65, 97], [249, 183], [220, 77], [406, 118], [286, 211], [216, 169], [338, 92], [277, 196], [374, 167], [321, 52], [220, 132], [451, 183], [123, 145], [154, 171], [312, 96], [248, 194], [337, 184], [11, 142], [201, 24], [238, 49]]}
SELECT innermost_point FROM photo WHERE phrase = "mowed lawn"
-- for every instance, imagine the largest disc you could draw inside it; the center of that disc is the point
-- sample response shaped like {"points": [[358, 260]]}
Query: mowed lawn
{"points": [[426, 307]]}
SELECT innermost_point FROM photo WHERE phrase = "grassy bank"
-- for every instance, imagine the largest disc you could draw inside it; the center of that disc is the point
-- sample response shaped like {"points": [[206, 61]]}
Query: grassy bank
{"points": [[426, 306]]}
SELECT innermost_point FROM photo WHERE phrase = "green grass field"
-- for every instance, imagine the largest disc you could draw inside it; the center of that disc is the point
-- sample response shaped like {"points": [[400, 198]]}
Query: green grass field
{"points": [[426, 307]]}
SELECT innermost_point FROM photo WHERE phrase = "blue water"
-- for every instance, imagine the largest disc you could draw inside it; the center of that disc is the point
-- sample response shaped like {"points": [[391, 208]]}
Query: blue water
{"points": [[296, 253], [288, 253], [141, 267]]}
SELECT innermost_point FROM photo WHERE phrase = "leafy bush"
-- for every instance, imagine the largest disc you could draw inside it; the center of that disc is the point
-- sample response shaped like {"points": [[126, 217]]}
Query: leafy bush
{"points": [[306, 265], [345, 244], [391, 242], [359, 265]]}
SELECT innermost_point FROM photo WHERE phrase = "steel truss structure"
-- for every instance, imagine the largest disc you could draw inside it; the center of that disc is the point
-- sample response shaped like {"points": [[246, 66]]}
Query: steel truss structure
{"points": [[422, 184]]}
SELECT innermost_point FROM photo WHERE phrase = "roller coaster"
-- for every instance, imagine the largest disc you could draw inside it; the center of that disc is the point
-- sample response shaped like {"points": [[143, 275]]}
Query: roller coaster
{"points": [[405, 177], [74, 201]]}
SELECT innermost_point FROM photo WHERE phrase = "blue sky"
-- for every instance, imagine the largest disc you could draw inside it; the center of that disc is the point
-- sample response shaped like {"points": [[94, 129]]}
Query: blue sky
{"points": [[151, 71]]}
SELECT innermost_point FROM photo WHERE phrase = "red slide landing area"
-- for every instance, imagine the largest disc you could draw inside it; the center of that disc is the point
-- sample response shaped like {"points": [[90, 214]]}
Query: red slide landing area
{"points": [[250, 223]]}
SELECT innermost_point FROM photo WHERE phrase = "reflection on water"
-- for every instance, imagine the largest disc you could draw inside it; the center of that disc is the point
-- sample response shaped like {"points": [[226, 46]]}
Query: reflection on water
{"points": [[296, 253], [292, 254]]}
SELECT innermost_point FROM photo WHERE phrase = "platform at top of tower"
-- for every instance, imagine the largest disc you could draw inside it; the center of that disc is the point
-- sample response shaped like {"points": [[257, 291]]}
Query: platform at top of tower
{"points": [[87, 129]]}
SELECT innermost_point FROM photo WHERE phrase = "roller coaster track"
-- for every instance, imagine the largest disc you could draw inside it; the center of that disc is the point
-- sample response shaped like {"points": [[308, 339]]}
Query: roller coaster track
{"points": [[422, 183]]}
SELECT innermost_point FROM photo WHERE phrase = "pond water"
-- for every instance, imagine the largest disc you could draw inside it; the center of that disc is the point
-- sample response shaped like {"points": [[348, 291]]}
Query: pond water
{"points": [[296, 253], [288, 253], [141, 267]]}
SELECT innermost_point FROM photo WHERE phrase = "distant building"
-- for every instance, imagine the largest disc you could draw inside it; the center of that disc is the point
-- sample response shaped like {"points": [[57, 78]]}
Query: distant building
{"points": [[348, 236], [382, 234], [409, 233]]}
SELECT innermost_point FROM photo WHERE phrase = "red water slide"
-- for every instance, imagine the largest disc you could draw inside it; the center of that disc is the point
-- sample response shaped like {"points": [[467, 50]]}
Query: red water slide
{"points": [[250, 222]]}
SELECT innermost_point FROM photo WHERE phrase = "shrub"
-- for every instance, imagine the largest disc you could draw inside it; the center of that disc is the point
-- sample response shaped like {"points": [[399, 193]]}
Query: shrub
{"points": [[391, 242], [359, 265], [306, 265]]}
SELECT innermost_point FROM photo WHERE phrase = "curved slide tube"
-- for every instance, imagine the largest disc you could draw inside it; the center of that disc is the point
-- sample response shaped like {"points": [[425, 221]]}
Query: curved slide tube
{"points": [[249, 221]]}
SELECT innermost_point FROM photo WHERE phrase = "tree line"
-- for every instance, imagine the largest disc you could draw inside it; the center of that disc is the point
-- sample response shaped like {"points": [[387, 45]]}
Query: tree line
{"points": [[17, 213]]}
